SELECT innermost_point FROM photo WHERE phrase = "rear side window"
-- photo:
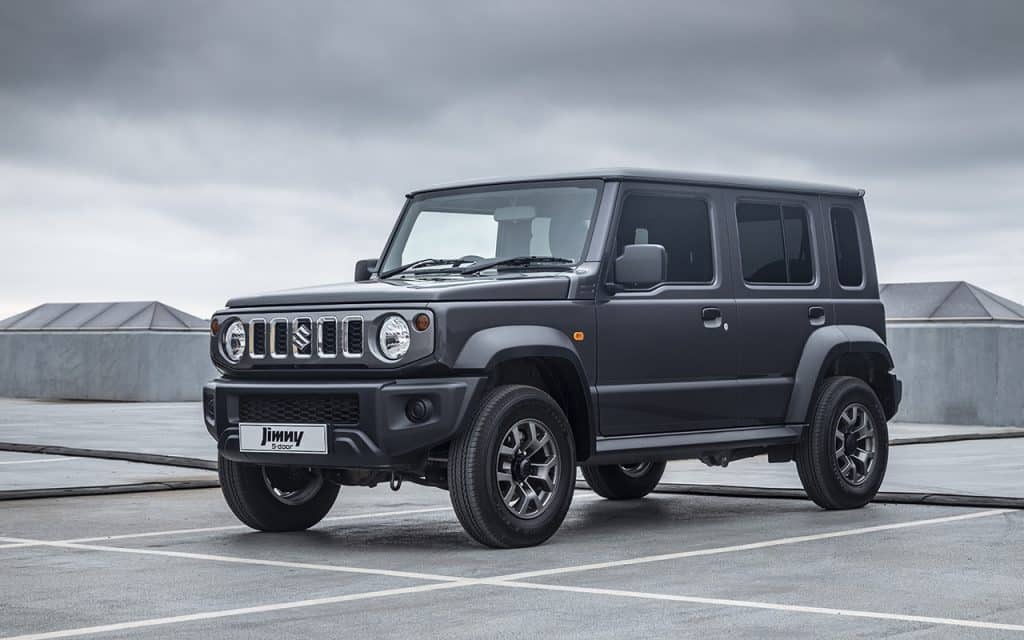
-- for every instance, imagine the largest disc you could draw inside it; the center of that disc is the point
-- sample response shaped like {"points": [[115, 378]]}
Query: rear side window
{"points": [[681, 225], [847, 243], [775, 243]]}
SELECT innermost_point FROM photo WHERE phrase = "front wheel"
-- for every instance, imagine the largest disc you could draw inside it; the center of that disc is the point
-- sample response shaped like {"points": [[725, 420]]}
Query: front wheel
{"points": [[843, 455], [276, 498], [511, 473], [623, 481]]}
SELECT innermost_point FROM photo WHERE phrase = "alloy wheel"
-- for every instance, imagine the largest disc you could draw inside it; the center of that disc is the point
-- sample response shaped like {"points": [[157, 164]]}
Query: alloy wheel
{"points": [[527, 468], [856, 443]]}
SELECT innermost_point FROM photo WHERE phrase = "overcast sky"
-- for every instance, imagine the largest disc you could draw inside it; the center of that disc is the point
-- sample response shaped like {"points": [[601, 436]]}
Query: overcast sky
{"points": [[188, 152]]}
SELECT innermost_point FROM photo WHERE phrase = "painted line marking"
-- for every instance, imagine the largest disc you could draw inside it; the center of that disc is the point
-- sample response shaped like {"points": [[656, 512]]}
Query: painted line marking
{"points": [[748, 604], [212, 615], [61, 459], [750, 546], [240, 560], [448, 582]]}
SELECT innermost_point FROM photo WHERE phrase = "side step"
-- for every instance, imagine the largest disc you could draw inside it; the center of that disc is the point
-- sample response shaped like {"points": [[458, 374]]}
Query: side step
{"points": [[692, 444]]}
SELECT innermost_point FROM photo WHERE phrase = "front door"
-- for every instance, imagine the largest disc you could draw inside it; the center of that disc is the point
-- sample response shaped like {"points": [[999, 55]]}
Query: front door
{"points": [[666, 358]]}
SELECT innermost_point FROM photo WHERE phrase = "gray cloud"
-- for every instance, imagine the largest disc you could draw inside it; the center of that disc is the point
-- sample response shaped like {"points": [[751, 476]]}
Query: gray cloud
{"points": [[152, 131]]}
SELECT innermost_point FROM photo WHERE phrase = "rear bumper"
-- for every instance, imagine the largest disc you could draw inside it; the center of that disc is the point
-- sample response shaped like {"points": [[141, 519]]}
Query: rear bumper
{"points": [[380, 437]]}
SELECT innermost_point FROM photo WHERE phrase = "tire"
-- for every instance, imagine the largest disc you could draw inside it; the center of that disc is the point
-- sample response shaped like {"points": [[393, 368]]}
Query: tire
{"points": [[623, 482], [251, 500], [834, 474], [485, 465]]}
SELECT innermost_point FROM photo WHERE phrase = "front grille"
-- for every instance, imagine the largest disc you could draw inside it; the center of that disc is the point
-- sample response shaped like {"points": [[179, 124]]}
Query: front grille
{"points": [[354, 337], [299, 409]]}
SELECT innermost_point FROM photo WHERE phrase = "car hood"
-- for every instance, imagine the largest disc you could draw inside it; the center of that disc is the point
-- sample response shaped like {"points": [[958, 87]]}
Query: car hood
{"points": [[401, 290]]}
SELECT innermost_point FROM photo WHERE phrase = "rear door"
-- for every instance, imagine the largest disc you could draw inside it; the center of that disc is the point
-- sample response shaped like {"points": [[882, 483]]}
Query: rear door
{"points": [[783, 294], [666, 355]]}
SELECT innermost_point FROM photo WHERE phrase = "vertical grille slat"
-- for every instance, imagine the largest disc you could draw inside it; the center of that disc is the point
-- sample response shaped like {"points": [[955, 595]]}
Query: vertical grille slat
{"points": [[327, 337], [353, 336], [279, 348], [258, 349]]}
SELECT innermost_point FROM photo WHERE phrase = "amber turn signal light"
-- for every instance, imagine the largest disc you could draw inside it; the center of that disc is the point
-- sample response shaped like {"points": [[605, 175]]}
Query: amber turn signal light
{"points": [[577, 336], [214, 326], [421, 322]]}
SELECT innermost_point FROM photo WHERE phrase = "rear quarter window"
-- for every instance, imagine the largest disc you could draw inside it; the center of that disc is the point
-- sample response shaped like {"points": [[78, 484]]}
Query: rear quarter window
{"points": [[849, 267]]}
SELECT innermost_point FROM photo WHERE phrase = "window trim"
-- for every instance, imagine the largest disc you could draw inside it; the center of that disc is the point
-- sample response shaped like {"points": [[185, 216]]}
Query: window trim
{"points": [[670, 191], [815, 283], [860, 246]]}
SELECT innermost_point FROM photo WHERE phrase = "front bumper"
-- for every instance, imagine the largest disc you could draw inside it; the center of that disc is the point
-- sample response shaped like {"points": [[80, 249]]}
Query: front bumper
{"points": [[383, 437]]}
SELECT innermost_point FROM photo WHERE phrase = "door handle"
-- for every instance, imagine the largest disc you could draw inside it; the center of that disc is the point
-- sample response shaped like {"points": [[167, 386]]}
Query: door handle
{"points": [[816, 316], [712, 317]]}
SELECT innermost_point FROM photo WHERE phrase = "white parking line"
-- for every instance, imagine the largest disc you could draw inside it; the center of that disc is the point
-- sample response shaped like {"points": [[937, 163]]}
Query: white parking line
{"points": [[60, 459], [211, 615], [510, 581], [747, 604], [239, 560], [748, 547]]}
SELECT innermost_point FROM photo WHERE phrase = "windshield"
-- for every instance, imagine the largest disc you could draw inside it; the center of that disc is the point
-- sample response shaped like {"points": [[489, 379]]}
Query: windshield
{"points": [[543, 221]]}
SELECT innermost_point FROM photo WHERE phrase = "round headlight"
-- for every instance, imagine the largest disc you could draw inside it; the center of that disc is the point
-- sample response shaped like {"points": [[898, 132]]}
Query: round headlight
{"points": [[232, 341], [394, 337]]}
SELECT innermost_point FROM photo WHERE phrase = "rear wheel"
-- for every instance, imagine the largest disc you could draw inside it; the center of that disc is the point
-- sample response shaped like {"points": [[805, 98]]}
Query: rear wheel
{"points": [[844, 453], [623, 481], [511, 474], [276, 498]]}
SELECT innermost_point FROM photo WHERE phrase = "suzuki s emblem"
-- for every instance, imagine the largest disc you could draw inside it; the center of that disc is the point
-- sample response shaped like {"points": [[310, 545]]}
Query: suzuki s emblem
{"points": [[301, 338]]}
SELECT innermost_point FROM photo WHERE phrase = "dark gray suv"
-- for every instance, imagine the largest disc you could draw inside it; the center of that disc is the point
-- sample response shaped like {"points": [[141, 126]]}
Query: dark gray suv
{"points": [[514, 329]]}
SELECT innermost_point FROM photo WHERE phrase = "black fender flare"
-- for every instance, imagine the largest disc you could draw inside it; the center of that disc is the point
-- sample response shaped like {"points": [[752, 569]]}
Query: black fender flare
{"points": [[822, 348], [487, 348]]}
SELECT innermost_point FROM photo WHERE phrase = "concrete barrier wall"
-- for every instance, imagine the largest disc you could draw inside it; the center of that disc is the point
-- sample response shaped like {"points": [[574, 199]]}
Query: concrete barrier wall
{"points": [[144, 366], [960, 373]]}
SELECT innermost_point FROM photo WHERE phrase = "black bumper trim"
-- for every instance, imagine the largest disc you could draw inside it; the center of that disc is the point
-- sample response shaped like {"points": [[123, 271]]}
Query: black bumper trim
{"points": [[384, 436]]}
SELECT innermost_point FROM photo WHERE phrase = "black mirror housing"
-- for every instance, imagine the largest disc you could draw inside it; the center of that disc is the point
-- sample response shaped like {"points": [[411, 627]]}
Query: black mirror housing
{"points": [[641, 266], [365, 269]]}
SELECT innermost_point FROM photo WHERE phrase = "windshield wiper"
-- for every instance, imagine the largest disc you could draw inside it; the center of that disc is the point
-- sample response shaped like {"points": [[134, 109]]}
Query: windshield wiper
{"points": [[426, 262], [516, 261]]}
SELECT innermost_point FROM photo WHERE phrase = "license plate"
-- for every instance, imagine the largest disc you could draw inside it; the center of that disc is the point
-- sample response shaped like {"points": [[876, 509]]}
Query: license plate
{"points": [[282, 438]]}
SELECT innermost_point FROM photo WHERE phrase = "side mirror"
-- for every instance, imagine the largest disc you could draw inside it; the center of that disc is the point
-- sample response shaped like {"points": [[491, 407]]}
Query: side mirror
{"points": [[365, 268], [641, 266]]}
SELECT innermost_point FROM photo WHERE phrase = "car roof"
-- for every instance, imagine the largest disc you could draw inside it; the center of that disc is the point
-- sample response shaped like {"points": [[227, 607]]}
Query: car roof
{"points": [[657, 175]]}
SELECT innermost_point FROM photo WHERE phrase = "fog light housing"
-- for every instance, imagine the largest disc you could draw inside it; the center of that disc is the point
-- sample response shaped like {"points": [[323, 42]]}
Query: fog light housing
{"points": [[419, 410]]}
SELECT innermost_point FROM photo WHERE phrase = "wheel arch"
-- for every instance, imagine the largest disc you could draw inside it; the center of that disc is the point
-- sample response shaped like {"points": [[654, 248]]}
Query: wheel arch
{"points": [[847, 350], [538, 356]]}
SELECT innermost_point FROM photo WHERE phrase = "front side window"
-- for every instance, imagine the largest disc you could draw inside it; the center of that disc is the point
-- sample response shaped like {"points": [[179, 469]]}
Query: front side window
{"points": [[680, 224], [504, 222], [847, 244], [775, 243]]}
